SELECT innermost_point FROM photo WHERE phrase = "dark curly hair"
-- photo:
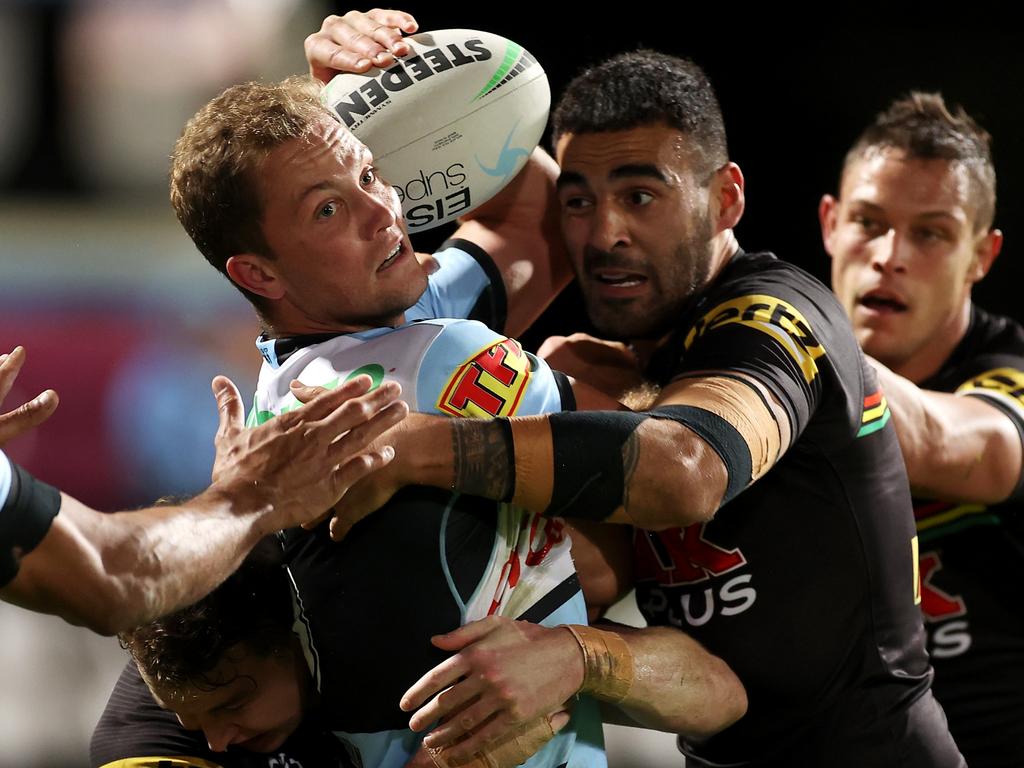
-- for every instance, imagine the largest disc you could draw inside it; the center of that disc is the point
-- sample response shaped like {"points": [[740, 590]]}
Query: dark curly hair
{"points": [[642, 87], [923, 127], [252, 608]]}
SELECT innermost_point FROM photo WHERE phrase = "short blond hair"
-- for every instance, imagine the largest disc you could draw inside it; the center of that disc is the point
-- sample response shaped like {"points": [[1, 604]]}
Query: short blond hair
{"points": [[216, 164]]}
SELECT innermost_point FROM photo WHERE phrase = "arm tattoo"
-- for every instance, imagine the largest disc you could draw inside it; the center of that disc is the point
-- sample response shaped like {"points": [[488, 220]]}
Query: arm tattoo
{"points": [[630, 459], [484, 458]]}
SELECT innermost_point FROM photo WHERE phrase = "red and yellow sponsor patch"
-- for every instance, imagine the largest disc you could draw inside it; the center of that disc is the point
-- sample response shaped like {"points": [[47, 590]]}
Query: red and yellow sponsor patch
{"points": [[490, 383]]}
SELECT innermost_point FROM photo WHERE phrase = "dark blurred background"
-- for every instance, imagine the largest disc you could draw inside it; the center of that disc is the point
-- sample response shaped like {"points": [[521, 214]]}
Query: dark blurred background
{"points": [[123, 317]]}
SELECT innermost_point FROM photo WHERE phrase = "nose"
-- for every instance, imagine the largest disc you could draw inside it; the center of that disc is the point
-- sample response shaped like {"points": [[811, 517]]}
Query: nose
{"points": [[889, 252], [376, 211], [220, 737], [609, 229]]}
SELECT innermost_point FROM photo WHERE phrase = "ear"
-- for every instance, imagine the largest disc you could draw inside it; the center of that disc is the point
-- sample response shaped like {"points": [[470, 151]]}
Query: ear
{"points": [[828, 212], [985, 252], [727, 191], [255, 274]]}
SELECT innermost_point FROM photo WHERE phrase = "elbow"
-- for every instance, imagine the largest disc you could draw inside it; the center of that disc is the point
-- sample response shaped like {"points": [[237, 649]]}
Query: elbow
{"points": [[725, 703], [679, 501]]}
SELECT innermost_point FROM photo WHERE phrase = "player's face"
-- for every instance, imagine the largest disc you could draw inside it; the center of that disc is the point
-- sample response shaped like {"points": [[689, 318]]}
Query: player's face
{"points": [[637, 225], [905, 252], [253, 702], [337, 234]]}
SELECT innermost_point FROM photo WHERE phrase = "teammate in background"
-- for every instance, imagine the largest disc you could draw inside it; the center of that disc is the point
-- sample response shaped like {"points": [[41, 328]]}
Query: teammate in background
{"points": [[317, 243], [805, 581], [910, 233], [113, 571]]}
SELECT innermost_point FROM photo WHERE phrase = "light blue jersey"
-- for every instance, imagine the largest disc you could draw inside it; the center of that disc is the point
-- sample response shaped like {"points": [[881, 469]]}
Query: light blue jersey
{"points": [[456, 368]]}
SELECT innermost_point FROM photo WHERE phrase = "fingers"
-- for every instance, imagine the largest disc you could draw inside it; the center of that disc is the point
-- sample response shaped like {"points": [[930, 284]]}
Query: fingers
{"points": [[458, 639], [479, 715], [356, 412], [10, 365], [229, 406], [356, 41], [27, 416], [320, 401], [434, 681], [360, 437], [354, 470], [30, 414], [506, 743]]}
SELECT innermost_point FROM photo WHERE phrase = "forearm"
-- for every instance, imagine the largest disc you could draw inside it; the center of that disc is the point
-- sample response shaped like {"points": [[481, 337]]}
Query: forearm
{"points": [[676, 685], [520, 229], [111, 572], [615, 467], [956, 448]]}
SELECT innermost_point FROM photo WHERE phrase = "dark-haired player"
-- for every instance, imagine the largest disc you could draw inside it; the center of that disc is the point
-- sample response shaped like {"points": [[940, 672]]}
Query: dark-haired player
{"points": [[767, 485]]}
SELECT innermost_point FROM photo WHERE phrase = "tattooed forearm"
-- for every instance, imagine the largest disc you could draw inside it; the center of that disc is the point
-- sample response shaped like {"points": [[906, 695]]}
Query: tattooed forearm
{"points": [[484, 458]]}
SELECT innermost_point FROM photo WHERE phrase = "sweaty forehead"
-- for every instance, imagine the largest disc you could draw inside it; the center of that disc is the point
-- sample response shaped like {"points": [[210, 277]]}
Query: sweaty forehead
{"points": [[327, 144], [888, 178], [595, 156]]}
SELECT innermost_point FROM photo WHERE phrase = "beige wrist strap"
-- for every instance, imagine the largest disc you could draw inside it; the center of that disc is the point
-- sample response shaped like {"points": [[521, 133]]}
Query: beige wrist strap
{"points": [[607, 663], [515, 749]]}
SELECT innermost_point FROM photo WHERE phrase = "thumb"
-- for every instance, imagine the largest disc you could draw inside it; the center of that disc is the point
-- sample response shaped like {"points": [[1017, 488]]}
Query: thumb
{"points": [[229, 405]]}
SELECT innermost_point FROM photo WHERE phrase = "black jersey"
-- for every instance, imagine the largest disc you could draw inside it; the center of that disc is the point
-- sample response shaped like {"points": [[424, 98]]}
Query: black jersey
{"points": [[971, 560], [134, 724], [805, 583]]}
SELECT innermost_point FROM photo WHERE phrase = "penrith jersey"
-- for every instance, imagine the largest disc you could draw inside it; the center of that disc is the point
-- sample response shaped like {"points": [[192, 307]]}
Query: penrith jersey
{"points": [[971, 558], [806, 582]]}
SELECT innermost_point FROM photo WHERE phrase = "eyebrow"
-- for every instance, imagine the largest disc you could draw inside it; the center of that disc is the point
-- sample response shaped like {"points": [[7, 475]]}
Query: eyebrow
{"points": [[236, 698], [926, 215], [364, 155], [644, 170]]}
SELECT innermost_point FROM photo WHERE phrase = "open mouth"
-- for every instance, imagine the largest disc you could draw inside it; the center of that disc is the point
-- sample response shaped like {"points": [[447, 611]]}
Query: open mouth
{"points": [[395, 253], [882, 301], [618, 279]]}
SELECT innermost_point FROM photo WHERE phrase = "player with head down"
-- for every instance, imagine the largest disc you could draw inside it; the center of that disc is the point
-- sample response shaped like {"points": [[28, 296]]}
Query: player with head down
{"points": [[287, 203]]}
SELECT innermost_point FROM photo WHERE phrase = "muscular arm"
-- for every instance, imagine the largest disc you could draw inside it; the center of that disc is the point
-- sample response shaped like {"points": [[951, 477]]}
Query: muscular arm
{"points": [[114, 571], [653, 473], [956, 448], [519, 230], [507, 673]]}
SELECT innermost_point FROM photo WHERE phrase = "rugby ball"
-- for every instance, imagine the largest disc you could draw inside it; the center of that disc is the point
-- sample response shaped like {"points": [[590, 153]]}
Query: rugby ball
{"points": [[451, 123]]}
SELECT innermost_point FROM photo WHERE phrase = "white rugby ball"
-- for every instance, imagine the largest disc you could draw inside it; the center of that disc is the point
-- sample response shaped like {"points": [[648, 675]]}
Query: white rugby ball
{"points": [[451, 123]]}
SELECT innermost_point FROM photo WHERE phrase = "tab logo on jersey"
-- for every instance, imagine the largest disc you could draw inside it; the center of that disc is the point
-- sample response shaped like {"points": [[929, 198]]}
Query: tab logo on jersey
{"points": [[488, 384], [1003, 384], [767, 314]]}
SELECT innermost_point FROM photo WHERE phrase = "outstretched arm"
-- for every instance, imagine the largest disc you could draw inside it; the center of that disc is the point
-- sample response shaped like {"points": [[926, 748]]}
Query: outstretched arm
{"points": [[956, 448], [114, 571], [707, 438]]}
